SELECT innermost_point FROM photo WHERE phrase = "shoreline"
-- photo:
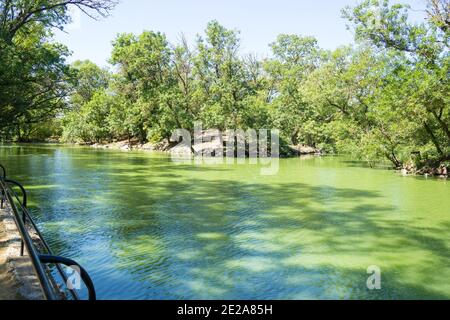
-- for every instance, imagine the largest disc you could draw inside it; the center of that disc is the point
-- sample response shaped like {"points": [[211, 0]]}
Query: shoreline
{"points": [[441, 171], [296, 151], [164, 146]]}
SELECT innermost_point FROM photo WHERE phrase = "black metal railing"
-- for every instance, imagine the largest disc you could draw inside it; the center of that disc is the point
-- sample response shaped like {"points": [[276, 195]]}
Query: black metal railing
{"points": [[38, 250]]}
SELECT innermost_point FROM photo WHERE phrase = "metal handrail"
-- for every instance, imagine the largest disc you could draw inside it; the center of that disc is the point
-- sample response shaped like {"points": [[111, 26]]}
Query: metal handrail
{"points": [[4, 171], [39, 259], [32, 252], [23, 203], [27, 217], [45, 258]]}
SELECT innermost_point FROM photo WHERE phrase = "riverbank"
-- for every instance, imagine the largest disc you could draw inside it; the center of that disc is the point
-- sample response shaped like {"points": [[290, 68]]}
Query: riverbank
{"points": [[133, 145], [440, 170], [436, 169], [165, 146]]}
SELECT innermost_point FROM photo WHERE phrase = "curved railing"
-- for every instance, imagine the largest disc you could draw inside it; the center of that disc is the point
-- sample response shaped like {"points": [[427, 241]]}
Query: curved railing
{"points": [[40, 255]]}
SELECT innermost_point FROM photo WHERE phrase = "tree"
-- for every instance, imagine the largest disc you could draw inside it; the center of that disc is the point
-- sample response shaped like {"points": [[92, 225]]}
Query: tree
{"points": [[295, 57], [90, 104], [89, 123], [424, 47], [144, 76], [24, 15], [33, 74], [88, 79], [221, 85], [32, 81], [439, 14]]}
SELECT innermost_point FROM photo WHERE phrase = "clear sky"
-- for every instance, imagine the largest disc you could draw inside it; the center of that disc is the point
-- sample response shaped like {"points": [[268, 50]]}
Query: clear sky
{"points": [[259, 21]]}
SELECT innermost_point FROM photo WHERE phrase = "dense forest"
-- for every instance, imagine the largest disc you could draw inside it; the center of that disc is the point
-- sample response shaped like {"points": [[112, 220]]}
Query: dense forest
{"points": [[385, 97]]}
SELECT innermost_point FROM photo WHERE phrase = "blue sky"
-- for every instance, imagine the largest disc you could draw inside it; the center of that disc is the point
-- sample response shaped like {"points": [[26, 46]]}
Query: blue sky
{"points": [[259, 21]]}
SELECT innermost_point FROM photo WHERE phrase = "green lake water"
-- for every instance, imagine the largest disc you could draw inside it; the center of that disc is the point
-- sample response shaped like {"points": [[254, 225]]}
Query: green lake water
{"points": [[146, 227]]}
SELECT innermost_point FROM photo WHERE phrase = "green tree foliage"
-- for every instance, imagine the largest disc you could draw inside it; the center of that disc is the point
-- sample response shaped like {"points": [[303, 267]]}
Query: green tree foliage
{"points": [[295, 58], [387, 96], [416, 92], [33, 74], [90, 103], [32, 81], [147, 82], [88, 79], [88, 123], [221, 75]]}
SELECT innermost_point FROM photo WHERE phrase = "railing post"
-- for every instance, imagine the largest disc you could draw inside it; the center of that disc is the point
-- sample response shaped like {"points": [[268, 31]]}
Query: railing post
{"points": [[3, 191], [22, 189], [32, 251], [24, 204], [4, 171]]}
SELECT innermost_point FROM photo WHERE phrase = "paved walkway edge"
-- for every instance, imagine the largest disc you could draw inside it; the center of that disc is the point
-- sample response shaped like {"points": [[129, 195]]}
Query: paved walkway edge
{"points": [[19, 267]]}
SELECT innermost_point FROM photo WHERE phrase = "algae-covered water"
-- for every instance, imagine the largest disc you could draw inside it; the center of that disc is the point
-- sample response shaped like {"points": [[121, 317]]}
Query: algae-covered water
{"points": [[146, 227]]}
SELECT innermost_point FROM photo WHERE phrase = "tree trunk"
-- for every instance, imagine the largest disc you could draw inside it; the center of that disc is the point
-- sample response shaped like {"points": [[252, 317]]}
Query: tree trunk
{"points": [[393, 158], [19, 135], [294, 139], [443, 125], [433, 139]]}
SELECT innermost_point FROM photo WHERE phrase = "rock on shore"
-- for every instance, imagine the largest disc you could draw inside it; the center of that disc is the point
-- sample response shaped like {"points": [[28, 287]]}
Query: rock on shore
{"points": [[305, 150], [133, 145], [441, 171]]}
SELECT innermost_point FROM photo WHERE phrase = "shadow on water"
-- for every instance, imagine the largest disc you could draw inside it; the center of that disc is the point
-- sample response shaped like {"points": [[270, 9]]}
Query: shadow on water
{"points": [[231, 239], [175, 231], [368, 164], [228, 239]]}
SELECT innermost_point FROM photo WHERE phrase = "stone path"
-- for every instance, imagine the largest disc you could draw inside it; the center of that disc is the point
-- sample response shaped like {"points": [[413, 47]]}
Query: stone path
{"points": [[18, 280], [8, 288]]}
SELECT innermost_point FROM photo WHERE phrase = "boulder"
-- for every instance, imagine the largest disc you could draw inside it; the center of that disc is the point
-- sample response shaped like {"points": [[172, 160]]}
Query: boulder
{"points": [[304, 149]]}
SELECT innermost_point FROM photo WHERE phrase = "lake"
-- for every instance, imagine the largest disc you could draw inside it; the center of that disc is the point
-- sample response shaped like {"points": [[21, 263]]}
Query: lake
{"points": [[146, 227]]}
